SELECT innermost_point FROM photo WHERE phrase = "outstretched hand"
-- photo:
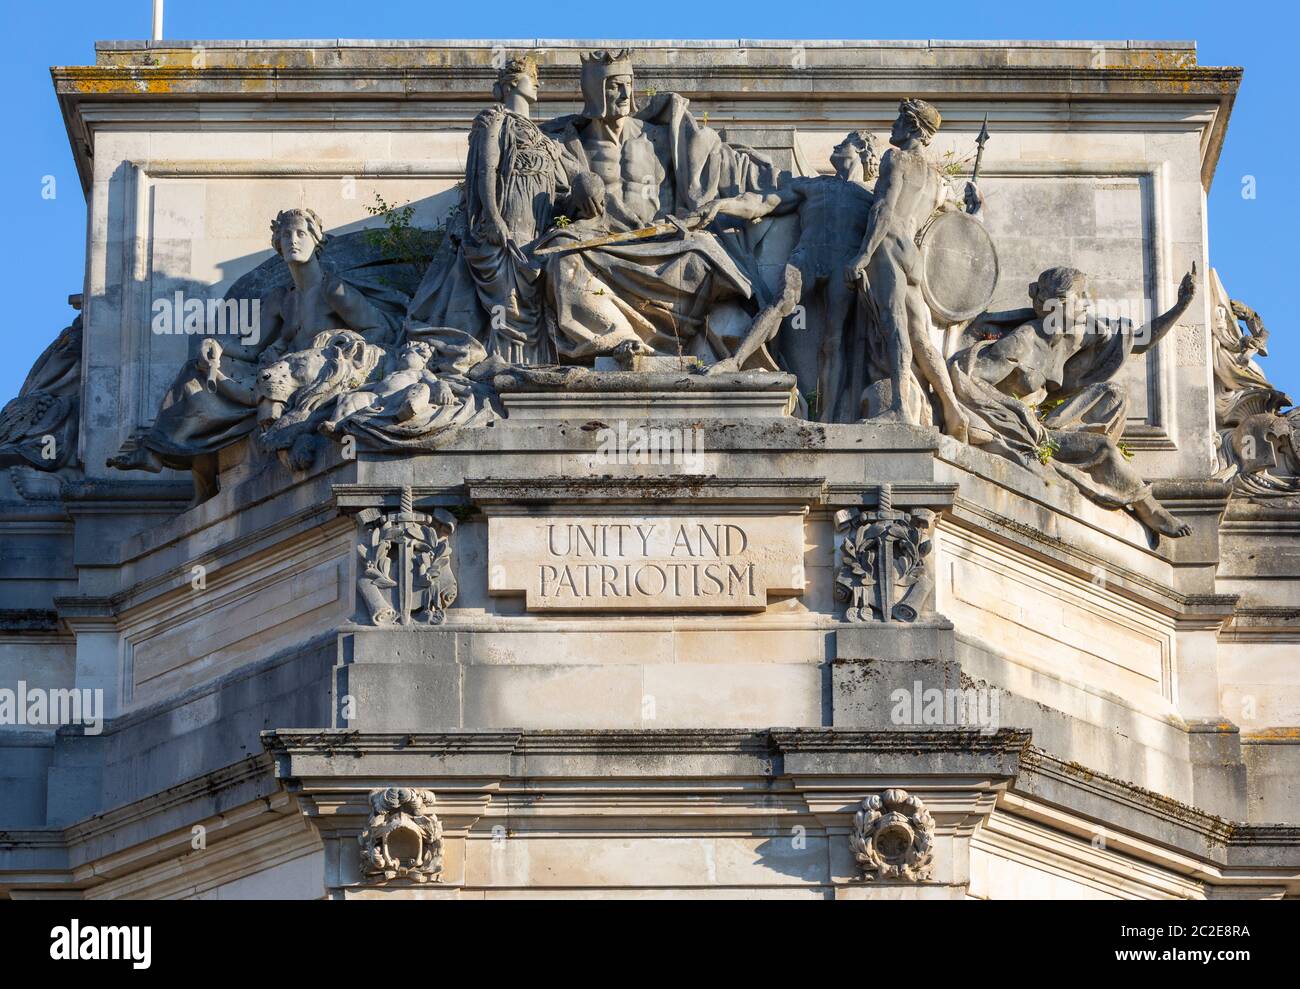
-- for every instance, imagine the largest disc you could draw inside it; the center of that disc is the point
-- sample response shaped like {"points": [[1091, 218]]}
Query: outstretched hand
{"points": [[1187, 287], [705, 215]]}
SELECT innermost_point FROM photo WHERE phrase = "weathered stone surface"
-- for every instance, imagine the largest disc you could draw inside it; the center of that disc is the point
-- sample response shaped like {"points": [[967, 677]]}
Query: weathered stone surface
{"points": [[643, 562], [1047, 700]]}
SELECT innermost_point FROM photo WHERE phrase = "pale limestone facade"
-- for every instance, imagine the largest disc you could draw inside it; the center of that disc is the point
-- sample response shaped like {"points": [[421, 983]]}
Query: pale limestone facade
{"points": [[1143, 701]]}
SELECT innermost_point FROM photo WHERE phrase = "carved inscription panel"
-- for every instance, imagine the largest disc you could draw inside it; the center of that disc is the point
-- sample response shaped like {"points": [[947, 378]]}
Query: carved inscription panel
{"points": [[646, 563]]}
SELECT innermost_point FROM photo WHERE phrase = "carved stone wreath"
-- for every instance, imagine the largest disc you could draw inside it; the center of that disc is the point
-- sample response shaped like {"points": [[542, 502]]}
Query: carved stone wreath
{"points": [[403, 838], [892, 837], [405, 574], [884, 573]]}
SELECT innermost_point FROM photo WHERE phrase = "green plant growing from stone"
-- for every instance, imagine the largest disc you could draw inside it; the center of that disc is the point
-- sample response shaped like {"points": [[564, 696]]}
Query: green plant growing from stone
{"points": [[1125, 449], [401, 242], [1046, 408], [813, 400], [1047, 449], [952, 165]]}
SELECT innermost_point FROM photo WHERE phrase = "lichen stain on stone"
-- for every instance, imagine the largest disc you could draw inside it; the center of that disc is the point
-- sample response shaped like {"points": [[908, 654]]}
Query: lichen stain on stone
{"points": [[1285, 734], [1162, 70], [135, 82], [1219, 830]]}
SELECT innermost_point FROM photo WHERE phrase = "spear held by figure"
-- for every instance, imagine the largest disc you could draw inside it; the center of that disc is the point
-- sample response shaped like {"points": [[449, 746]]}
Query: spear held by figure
{"points": [[981, 139]]}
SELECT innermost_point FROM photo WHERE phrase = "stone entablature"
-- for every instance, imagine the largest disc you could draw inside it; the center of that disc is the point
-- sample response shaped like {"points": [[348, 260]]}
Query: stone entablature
{"points": [[774, 810]]}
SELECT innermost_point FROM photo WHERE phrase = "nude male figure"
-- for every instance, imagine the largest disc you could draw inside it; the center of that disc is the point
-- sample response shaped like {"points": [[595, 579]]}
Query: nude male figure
{"points": [[887, 271], [659, 167], [832, 211]]}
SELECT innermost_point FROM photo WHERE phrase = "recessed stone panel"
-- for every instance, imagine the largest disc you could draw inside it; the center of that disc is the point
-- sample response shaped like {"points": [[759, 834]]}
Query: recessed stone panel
{"points": [[628, 562]]}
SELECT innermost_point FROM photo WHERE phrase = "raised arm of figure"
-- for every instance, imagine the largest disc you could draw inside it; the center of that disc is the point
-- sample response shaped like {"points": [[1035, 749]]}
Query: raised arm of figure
{"points": [[1151, 334]]}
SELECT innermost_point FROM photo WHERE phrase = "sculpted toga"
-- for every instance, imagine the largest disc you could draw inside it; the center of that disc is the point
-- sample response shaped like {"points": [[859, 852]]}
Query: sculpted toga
{"points": [[656, 163]]}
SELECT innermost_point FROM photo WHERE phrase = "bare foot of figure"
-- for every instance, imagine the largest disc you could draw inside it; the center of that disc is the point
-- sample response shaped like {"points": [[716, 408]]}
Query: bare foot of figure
{"points": [[1159, 520], [141, 458], [956, 424], [627, 349]]}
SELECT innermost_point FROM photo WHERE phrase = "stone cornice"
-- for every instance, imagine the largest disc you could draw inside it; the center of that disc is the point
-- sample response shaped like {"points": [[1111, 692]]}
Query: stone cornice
{"points": [[655, 741], [1267, 848], [155, 828], [28, 620], [735, 71], [412, 81], [331, 769], [691, 489]]}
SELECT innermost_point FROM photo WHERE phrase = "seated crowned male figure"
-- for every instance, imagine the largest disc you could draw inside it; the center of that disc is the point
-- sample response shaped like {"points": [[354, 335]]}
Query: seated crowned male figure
{"points": [[660, 168], [213, 401]]}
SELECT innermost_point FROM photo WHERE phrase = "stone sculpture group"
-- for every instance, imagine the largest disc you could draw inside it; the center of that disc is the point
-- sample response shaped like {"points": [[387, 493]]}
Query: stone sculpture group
{"points": [[628, 236]]}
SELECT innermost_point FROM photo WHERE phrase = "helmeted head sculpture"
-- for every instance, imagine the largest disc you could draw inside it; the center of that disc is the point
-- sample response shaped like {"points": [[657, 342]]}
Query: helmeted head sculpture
{"points": [[915, 118]]}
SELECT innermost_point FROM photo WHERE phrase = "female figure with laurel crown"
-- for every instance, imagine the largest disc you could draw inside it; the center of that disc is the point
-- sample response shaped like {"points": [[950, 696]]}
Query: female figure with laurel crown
{"points": [[513, 177]]}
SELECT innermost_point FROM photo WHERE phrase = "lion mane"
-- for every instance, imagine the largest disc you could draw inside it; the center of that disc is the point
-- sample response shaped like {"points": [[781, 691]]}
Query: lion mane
{"points": [[337, 361]]}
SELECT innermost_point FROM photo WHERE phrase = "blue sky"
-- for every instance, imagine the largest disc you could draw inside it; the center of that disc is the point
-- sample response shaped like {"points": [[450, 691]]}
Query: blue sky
{"points": [[1251, 239]]}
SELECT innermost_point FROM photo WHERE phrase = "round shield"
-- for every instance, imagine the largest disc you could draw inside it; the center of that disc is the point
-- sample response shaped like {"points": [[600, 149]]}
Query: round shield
{"points": [[959, 266]]}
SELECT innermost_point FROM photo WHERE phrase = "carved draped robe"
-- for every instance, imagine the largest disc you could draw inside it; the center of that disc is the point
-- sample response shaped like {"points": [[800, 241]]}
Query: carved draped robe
{"points": [[46, 408], [493, 292], [659, 290], [1086, 425], [194, 421]]}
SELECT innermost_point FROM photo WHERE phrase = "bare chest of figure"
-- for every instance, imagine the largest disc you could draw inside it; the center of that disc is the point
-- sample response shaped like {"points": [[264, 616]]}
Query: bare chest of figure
{"points": [[631, 170], [921, 189], [305, 315]]}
